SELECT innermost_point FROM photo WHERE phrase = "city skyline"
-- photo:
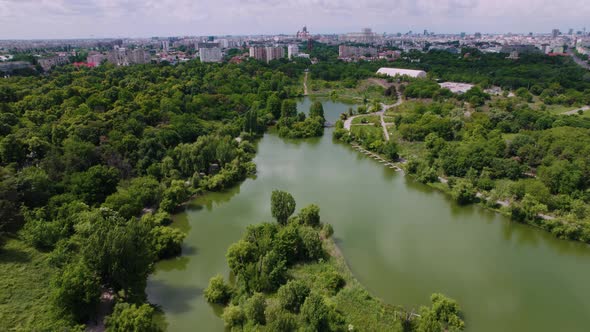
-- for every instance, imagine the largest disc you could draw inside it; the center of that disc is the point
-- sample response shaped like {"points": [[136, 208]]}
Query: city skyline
{"points": [[57, 19]]}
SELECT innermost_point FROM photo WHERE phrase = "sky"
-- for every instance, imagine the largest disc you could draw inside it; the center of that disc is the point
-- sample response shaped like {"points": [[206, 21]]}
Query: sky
{"points": [[43, 19]]}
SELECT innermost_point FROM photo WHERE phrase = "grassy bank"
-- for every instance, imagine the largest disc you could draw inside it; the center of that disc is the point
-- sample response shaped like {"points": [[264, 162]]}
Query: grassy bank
{"points": [[363, 311]]}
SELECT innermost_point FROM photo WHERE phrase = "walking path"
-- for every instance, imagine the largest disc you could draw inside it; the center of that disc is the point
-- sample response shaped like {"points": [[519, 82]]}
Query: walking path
{"points": [[572, 112], [384, 108]]}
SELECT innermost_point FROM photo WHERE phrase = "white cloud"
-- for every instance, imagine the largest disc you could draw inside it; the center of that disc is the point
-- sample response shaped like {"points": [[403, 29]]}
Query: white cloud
{"points": [[82, 18]]}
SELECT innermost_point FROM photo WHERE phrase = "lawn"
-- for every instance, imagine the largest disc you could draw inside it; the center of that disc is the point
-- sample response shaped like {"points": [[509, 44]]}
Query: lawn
{"points": [[359, 130], [25, 303], [366, 119], [406, 107], [365, 91]]}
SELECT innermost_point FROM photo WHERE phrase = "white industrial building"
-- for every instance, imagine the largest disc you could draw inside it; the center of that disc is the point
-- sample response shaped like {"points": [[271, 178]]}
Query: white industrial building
{"points": [[402, 72]]}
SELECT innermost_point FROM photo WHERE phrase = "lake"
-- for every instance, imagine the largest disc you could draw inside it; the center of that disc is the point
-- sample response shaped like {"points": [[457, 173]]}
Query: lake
{"points": [[402, 240]]}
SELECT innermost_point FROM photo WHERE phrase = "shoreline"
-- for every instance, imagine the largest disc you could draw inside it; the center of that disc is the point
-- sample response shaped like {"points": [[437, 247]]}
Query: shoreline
{"points": [[481, 198]]}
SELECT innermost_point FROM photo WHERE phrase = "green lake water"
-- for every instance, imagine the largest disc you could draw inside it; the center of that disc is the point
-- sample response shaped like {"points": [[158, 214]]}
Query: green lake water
{"points": [[402, 241]]}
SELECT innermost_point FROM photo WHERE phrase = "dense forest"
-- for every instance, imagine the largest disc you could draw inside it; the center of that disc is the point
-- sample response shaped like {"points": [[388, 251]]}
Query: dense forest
{"points": [[94, 160], [288, 277]]}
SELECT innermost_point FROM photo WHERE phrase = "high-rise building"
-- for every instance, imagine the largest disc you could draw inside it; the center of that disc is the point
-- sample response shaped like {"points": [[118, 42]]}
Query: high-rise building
{"points": [[274, 53], [365, 36], [210, 54], [555, 33], [347, 52], [571, 32], [258, 53], [462, 34], [477, 35], [121, 56], [95, 58], [292, 51], [165, 45]]}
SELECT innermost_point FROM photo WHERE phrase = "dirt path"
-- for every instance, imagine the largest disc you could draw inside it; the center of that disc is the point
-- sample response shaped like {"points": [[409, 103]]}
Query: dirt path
{"points": [[572, 112]]}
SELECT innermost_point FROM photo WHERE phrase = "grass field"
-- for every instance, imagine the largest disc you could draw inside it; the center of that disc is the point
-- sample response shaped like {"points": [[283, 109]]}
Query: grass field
{"points": [[365, 91], [366, 119], [25, 303], [370, 130]]}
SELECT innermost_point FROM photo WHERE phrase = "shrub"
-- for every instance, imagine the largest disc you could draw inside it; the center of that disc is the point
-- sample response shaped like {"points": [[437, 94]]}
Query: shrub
{"points": [[254, 309], [292, 295], [310, 215], [315, 313], [218, 291], [332, 281], [280, 320], [167, 241], [132, 318], [312, 244], [233, 316], [328, 230], [463, 192]]}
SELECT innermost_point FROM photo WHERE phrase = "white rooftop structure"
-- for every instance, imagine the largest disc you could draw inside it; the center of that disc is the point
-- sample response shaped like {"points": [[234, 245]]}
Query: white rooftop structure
{"points": [[402, 72], [456, 87]]}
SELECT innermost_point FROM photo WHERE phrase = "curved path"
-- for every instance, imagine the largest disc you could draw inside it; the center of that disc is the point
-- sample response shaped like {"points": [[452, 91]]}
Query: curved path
{"points": [[384, 108]]}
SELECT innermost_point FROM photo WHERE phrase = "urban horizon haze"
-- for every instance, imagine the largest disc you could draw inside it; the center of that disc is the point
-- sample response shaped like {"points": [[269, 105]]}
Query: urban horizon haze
{"points": [[65, 19]]}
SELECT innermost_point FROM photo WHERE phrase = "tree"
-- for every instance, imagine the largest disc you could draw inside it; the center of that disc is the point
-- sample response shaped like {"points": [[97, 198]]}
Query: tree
{"points": [[317, 109], [273, 105], [119, 251], [442, 316], [95, 184], [131, 318], [292, 295], [463, 192], [176, 194], [272, 272], [315, 312], [254, 309], [282, 206], [310, 215], [288, 108], [218, 291], [167, 241], [12, 150], [76, 291], [390, 150], [239, 256], [312, 244], [233, 316]]}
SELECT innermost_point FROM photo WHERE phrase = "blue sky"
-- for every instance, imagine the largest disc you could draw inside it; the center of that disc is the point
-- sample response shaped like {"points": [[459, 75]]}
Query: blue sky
{"points": [[31, 19]]}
